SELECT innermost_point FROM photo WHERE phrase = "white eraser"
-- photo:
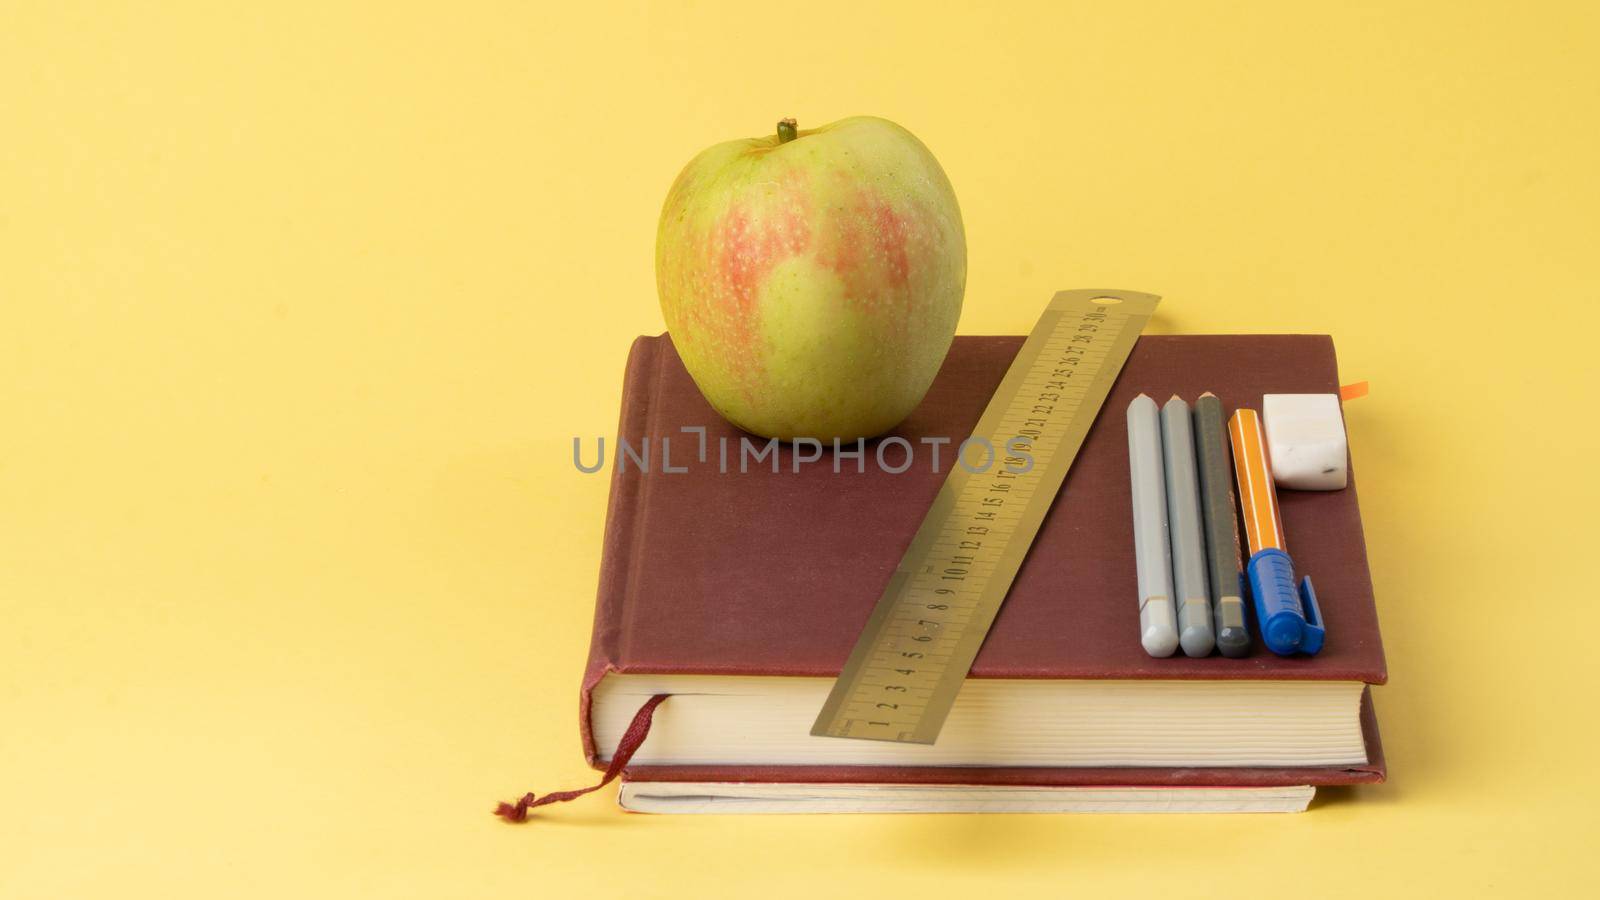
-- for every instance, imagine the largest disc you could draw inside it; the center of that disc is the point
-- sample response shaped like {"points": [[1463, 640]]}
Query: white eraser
{"points": [[1305, 441]]}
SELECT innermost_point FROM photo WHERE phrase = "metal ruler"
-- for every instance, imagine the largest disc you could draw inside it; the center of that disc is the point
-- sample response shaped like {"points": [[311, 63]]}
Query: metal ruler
{"points": [[907, 667]]}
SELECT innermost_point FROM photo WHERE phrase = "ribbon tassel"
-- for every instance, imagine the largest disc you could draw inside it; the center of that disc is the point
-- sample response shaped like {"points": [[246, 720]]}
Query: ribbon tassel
{"points": [[637, 731]]}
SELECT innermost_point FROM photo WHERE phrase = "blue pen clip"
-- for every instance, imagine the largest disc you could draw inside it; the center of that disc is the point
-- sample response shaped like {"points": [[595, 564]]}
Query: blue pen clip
{"points": [[1290, 620], [1311, 642]]}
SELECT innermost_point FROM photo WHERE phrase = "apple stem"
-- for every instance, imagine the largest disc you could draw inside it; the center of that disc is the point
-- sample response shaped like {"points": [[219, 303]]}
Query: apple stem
{"points": [[787, 131]]}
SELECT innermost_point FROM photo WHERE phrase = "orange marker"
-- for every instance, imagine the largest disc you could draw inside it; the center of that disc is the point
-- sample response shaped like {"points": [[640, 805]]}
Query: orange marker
{"points": [[1263, 526], [1286, 625]]}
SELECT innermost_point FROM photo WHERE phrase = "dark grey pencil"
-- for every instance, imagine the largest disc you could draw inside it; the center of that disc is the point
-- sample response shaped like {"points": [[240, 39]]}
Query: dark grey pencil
{"points": [[1222, 526]]}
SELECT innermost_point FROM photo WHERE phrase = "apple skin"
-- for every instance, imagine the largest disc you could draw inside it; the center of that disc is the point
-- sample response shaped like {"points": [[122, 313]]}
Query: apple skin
{"points": [[812, 285]]}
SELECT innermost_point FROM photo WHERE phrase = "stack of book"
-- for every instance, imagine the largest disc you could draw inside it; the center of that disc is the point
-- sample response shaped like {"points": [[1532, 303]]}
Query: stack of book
{"points": [[736, 577]]}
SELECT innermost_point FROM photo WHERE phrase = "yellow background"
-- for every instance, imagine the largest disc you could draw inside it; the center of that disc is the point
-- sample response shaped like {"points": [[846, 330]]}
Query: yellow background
{"points": [[300, 308]]}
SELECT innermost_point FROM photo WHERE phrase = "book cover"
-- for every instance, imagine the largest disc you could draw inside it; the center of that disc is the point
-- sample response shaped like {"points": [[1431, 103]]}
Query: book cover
{"points": [[723, 555]]}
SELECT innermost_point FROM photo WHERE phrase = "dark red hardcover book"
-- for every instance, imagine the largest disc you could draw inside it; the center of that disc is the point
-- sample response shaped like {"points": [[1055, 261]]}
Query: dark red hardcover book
{"points": [[713, 572]]}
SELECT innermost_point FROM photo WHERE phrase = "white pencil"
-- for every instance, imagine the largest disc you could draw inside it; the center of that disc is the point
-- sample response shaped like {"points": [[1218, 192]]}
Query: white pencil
{"points": [[1158, 622]]}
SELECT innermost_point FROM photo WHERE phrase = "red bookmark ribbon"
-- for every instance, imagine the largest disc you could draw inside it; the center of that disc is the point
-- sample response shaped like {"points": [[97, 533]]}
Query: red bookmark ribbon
{"points": [[638, 730]]}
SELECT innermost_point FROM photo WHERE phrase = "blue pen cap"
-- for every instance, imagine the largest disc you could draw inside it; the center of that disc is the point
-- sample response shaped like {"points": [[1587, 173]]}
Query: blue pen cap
{"points": [[1287, 626]]}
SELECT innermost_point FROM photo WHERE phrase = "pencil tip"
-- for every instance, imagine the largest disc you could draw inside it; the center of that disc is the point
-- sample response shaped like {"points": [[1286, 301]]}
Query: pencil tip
{"points": [[1174, 397], [1208, 394]]}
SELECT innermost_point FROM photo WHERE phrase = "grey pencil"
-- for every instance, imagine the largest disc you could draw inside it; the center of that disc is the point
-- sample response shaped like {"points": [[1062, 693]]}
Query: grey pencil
{"points": [[1188, 543], [1222, 526]]}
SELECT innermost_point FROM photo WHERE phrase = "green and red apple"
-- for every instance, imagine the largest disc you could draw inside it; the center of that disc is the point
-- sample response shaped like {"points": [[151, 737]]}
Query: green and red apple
{"points": [[811, 280]]}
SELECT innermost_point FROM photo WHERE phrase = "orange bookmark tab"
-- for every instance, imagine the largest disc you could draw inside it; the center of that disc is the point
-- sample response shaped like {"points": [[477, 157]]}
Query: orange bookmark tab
{"points": [[1353, 391]]}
